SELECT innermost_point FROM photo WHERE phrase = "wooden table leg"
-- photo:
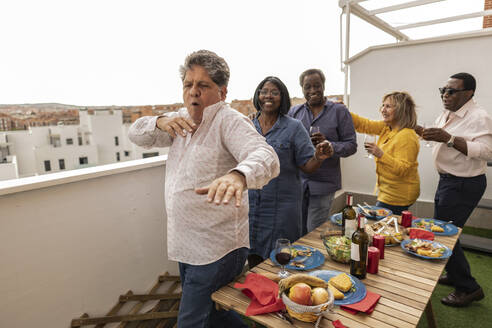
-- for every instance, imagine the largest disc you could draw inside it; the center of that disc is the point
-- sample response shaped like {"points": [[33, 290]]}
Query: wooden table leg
{"points": [[429, 313], [219, 307]]}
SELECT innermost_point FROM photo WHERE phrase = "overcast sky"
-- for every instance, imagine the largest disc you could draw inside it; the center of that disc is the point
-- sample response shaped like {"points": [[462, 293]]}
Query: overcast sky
{"points": [[121, 52]]}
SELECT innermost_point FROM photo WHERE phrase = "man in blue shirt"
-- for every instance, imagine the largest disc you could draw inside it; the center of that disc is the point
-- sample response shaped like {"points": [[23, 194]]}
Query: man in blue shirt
{"points": [[335, 125]]}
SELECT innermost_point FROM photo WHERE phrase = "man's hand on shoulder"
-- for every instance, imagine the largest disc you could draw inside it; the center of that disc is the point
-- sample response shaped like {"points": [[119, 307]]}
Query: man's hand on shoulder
{"points": [[224, 188], [176, 125]]}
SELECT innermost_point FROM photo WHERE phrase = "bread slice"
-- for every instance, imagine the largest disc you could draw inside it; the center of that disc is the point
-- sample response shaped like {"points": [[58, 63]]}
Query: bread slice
{"points": [[338, 295], [436, 228], [341, 282]]}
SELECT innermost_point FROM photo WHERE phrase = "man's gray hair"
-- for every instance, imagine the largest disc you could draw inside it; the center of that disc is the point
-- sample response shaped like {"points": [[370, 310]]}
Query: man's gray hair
{"points": [[216, 66]]}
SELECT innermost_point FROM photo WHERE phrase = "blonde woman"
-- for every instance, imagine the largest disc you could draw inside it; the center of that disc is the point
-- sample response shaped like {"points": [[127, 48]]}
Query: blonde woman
{"points": [[395, 152]]}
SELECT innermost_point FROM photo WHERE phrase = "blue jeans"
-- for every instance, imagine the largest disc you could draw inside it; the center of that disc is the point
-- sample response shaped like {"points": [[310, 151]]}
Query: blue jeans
{"points": [[199, 282], [315, 210], [394, 208]]}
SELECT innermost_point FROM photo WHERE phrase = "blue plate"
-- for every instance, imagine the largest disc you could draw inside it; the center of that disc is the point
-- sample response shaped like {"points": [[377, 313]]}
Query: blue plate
{"points": [[352, 296], [378, 217], [447, 253], [315, 260], [337, 218], [449, 229]]}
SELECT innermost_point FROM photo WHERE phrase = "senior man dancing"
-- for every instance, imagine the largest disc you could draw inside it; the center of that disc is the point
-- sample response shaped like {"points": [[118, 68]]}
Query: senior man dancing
{"points": [[215, 154]]}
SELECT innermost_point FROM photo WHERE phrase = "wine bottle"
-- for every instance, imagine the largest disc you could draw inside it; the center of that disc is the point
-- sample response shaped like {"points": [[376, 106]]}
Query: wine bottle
{"points": [[358, 250], [349, 223]]}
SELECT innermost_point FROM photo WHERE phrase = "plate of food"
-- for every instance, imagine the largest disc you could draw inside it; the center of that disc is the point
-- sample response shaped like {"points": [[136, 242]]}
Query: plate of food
{"points": [[438, 227], [302, 258], [337, 218], [346, 288], [376, 212], [387, 227], [426, 249]]}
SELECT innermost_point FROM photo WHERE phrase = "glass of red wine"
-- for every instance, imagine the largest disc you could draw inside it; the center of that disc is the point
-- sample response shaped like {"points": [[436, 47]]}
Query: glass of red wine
{"points": [[282, 255]]}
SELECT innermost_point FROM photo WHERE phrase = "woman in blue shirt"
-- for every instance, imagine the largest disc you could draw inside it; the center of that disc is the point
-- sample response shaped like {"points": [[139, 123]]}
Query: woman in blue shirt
{"points": [[275, 210]]}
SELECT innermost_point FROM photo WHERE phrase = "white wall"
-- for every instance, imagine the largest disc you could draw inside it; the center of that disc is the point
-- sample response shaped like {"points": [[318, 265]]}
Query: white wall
{"points": [[419, 69], [105, 126], [8, 170], [22, 146], [77, 240], [70, 154]]}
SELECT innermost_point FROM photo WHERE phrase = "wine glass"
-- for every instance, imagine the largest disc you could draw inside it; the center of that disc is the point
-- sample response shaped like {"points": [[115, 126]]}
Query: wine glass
{"points": [[313, 130], [427, 143], [282, 255], [369, 138]]}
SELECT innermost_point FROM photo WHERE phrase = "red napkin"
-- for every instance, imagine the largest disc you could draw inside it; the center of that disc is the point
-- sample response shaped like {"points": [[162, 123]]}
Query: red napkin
{"points": [[421, 234], [263, 293], [338, 324], [367, 305]]}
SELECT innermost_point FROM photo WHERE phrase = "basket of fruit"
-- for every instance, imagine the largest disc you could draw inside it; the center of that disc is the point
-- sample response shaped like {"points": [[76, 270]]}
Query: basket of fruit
{"points": [[305, 297]]}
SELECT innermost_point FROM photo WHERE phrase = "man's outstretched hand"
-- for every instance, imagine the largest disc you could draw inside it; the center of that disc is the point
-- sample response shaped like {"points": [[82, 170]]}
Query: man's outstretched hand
{"points": [[222, 190]]}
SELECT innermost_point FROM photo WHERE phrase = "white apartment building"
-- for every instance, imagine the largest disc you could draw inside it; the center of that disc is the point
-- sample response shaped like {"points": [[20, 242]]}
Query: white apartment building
{"points": [[101, 138]]}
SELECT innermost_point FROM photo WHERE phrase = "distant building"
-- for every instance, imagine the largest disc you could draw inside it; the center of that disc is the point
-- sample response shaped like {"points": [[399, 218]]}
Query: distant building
{"points": [[5, 122], [100, 138]]}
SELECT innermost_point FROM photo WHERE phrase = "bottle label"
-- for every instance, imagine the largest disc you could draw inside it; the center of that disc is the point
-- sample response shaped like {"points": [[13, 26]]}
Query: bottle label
{"points": [[350, 227], [354, 252]]}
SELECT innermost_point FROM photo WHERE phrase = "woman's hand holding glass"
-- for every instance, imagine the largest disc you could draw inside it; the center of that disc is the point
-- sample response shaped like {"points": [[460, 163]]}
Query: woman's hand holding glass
{"points": [[371, 147]]}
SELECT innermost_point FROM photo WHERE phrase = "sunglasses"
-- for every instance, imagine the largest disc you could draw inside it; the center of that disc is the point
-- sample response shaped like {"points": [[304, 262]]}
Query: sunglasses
{"points": [[450, 91]]}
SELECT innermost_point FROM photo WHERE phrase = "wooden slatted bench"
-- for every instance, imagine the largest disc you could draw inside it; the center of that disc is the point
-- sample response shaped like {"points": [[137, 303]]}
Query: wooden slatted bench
{"points": [[161, 315]]}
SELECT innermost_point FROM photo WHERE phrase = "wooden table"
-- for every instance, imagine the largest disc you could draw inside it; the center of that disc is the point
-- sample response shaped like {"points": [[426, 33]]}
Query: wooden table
{"points": [[405, 283]]}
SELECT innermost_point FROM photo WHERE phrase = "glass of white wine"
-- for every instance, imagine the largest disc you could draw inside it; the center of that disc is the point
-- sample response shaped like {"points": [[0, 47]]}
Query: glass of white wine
{"points": [[369, 139]]}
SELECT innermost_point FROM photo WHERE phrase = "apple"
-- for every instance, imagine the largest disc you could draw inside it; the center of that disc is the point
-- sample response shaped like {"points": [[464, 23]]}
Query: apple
{"points": [[300, 293], [319, 296]]}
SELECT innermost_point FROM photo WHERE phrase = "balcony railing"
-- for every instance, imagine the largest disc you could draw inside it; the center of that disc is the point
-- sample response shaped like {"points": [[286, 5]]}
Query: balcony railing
{"points": [[70, 242]]}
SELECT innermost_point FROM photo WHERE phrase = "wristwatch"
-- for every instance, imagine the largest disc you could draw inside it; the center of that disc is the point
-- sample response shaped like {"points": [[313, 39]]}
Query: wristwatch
{"points": [[450, 142]]}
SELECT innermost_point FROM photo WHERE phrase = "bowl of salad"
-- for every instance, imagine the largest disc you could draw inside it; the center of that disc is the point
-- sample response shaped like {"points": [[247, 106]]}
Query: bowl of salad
{"points": [[338, 248]]}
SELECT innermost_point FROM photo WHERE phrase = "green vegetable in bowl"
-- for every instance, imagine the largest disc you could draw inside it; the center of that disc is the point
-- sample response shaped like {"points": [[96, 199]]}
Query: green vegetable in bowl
{"points": [[338, 247]]}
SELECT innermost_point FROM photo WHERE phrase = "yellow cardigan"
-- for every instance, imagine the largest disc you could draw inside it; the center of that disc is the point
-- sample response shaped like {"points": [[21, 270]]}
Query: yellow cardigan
{"points": [[398, 178]]}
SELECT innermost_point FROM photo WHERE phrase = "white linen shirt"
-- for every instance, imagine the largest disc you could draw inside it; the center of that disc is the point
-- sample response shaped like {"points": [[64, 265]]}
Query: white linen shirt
{"points": [[199, 232], [474, 124]]}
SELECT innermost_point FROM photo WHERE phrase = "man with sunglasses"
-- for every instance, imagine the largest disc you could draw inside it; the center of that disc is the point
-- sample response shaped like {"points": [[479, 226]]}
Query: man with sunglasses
{"points": [[463, 136]]}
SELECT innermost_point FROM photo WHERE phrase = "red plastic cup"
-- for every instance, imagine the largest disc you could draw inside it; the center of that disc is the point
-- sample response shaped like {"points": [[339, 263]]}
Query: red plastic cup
{"points": [[372, 259], [406, 218], [378, 242]]}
